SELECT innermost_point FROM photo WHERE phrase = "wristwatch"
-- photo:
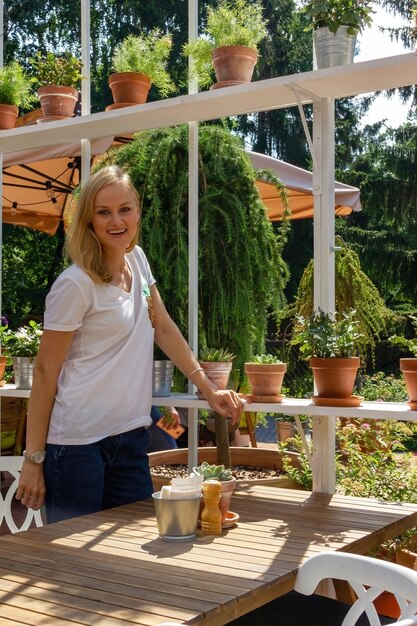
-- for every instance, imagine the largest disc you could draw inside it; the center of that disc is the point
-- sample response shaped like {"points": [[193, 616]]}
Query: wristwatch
{"points": [[35, 457]]}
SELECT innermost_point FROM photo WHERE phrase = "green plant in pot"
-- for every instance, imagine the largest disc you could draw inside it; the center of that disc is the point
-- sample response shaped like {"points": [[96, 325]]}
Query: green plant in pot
{"points": [[58, 77], [265, 373], [138, 62], [16, 90], [335, 25], [21, 346], [228, 45], [330, 344], [408, 365], [228, 483]]}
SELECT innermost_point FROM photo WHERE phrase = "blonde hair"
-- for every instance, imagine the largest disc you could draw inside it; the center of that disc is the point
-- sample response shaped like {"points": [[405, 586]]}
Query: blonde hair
{"points": [[82, 246]]}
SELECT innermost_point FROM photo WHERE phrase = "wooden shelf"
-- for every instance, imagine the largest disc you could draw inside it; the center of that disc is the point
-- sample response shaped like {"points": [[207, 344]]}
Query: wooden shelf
{"points": [[274, 93]]}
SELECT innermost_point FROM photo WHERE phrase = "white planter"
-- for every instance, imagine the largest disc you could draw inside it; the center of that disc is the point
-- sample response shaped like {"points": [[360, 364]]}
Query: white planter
{"points": [[333, 49]]}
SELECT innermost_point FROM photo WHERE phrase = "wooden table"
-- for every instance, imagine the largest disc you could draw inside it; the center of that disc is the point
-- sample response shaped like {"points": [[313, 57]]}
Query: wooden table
{"points": [[111, 569]]}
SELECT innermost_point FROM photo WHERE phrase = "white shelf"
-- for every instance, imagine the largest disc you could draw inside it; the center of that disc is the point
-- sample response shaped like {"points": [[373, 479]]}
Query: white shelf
{"points": [[289, 406], [297, 406], [274, 93]]}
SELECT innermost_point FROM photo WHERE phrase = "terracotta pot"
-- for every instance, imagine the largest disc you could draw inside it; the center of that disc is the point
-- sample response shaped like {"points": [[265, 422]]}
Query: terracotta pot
{"points": [[251, 457], [3, 363], [8, 116], [233, 65], [334, 377], [265, 380], [57, 100], [129, 87], [406, 558], [409, 370], [218, 372]]}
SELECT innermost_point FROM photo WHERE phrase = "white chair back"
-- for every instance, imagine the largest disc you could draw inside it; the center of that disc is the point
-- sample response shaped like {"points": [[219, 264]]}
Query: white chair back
{"points": [[13, 465], [368, 577]]}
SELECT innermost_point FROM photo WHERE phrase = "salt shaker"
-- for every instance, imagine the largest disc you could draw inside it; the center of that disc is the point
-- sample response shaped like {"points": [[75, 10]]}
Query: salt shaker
{"points": [[211, 517]]}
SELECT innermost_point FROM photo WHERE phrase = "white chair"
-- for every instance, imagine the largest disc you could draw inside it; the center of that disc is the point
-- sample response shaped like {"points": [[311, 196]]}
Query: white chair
{"points": [[368, 578], [13, 465]]}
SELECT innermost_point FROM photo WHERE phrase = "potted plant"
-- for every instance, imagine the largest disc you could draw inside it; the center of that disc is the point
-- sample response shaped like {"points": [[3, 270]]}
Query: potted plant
{"points": [[138, 62], [21, 346], [330, 345], [15, 91], [408, 366], [335, 25], [228, 483], [265, 374], [228, 44], [217, 364], [58, 77]]}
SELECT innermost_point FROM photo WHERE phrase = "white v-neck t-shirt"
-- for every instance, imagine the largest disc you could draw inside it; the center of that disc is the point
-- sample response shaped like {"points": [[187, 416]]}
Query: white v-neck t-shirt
{"points": [[105, 384]]}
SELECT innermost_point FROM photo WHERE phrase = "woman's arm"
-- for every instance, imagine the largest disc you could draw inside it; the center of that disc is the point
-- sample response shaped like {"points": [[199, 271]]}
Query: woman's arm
{"points": [[170, 340], [53, 349]]}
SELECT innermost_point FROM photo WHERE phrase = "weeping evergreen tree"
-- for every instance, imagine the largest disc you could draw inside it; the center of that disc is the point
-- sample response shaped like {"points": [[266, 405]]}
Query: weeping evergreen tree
{"points": [[353, 290], [241, 272]]}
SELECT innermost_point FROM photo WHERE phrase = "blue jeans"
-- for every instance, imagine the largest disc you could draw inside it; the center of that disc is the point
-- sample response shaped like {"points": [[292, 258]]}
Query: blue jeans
{"points": [[87, 478]]}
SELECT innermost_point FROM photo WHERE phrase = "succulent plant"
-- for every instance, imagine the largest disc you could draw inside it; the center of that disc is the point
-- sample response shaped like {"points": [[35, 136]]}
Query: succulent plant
{"points": [[213, 472], [266, 359], [216, 355]]}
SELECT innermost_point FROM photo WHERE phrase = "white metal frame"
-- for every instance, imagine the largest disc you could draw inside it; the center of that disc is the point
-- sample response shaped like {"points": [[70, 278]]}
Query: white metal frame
{"points": [[318, 86]]}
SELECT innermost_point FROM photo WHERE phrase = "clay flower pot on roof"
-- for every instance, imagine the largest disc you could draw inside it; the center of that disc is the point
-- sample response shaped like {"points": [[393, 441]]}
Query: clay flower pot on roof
{"points": [[228, 45], [58, 77], [140, 61], [15, 91]]}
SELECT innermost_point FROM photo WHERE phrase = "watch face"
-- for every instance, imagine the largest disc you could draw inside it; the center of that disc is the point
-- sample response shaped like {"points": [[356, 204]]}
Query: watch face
{"points": [[35, 457], [38, 457]]}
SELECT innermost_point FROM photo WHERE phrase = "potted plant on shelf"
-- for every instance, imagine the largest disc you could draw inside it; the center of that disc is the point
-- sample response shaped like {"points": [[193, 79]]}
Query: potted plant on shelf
{"points": [[21, 346], [15, 91], [408, 366], [330, 345], [217, 364], [138, 62], [228, 44], [335, 25], [265, 374], [58, 77]]}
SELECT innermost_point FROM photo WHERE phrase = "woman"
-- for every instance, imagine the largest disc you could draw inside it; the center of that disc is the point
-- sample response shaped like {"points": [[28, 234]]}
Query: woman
{"points": [[90, 403]]}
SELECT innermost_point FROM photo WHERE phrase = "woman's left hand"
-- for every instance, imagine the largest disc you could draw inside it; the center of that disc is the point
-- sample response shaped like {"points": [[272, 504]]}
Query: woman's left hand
{"points": [[227, 403]]}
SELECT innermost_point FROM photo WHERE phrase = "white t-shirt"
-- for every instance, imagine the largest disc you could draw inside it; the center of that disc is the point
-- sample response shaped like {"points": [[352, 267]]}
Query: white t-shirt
{"points": [[105, 384]]}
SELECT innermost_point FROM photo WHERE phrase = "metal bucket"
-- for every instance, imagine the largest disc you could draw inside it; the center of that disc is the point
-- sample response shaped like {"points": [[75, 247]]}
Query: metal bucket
{"points": [[162, 378], [333, 49], [23, 367], [176, 519]]}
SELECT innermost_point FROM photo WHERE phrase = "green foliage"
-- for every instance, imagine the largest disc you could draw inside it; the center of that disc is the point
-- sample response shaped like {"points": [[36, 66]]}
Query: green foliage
{"points": [[265, 359], [382, 386], [147, 54], [241, 272], [409, 344], [370, 461], [56, 69], [213, 472], [21, 342], [321, 335], [354, 290], [238, 23], [15, 86], [216, 355], [356, 14]]}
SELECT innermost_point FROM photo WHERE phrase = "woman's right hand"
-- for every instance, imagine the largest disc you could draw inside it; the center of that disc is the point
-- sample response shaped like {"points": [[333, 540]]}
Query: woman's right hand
{"points": [[31, 489]]}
